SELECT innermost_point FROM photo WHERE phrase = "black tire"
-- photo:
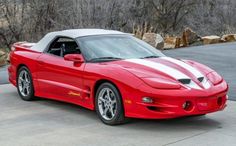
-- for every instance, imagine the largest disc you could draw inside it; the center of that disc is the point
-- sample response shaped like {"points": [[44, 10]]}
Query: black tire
{"points": [[30, 96], [119, 117]]}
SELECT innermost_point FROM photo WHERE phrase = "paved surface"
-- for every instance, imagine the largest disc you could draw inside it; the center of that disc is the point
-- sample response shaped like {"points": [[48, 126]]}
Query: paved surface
{"points": [[220, 57], [45, 122], [3, 75]]}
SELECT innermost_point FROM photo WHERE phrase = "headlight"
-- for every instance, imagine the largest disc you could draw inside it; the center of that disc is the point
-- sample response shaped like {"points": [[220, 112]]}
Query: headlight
{"points": [[214, 77], [161, 83]]}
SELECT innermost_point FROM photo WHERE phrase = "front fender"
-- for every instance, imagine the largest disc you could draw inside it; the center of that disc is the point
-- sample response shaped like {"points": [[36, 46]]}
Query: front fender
{"points": [[125, 81]]}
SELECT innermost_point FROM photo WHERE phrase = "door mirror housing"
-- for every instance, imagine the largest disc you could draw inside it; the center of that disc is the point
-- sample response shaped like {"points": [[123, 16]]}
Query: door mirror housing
{"points": [[76, 58]]}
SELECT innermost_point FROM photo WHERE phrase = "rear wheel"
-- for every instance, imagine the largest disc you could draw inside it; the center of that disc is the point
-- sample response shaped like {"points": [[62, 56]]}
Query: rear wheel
{"points": [[109, 104], [25, 84]]}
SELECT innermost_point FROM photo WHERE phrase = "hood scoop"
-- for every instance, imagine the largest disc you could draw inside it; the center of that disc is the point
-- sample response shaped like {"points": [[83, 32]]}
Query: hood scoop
{"points": [[185, 81], [200, 79], [188, 81]]}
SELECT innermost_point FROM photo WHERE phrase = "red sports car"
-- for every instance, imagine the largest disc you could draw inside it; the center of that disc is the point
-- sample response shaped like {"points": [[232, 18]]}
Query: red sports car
{"points": [[115, 74]]}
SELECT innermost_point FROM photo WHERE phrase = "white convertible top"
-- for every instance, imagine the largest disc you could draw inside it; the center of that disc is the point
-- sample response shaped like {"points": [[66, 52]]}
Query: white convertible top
{"points": [[71, 33]]}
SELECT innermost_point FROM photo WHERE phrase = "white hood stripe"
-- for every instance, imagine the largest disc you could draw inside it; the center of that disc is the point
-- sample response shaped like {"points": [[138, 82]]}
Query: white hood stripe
{"points": [[206, 83], [186, 66], [170, 71], [160, 67]]}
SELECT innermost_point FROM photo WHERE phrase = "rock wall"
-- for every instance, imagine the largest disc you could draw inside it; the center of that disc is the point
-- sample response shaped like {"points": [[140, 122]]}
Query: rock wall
{"points": [[187, 38]]}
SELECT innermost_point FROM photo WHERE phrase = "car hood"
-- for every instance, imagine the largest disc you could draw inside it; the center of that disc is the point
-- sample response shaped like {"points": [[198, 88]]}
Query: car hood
{"points": [[166, 68]]}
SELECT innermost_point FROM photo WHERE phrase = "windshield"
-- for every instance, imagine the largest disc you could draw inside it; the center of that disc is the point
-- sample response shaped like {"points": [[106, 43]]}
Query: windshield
{"points": [[115, 47]]}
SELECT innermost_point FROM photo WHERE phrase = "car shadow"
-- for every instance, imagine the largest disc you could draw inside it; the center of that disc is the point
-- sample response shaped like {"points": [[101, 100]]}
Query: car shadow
{"points": [[178, 124], [184, 124], [204, 122]]}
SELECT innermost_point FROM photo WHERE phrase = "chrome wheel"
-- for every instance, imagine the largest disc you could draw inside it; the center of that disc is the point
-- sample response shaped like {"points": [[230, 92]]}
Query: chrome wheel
{"points": [[107, 104], [24, 83]]}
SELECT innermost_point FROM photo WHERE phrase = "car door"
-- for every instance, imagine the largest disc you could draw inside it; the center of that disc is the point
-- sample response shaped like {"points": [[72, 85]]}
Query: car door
{"points": [[58, 78]]}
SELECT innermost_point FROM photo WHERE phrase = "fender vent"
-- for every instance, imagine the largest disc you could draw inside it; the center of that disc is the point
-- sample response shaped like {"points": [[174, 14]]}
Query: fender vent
{"points": [[185, 81], [200, 79]]}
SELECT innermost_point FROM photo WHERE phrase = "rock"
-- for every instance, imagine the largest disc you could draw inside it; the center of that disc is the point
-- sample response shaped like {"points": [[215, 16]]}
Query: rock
{"points": [[211, 39], [170, 42], [159, 42], [173, 42], [189, 37], [154, 39], [178, 42], [229, 38], [2, 58]]}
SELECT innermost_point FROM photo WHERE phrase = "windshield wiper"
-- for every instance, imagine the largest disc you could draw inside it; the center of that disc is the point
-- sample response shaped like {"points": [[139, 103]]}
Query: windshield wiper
{"points": [[152, 56], [102, 59]]}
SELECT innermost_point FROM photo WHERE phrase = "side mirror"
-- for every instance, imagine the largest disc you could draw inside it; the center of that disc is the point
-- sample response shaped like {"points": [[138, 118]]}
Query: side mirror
{"points": [[76, 58]]}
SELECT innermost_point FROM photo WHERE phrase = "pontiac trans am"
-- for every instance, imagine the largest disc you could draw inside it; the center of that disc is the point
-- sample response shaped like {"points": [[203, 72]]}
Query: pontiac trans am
{"points": [[115, 74]]}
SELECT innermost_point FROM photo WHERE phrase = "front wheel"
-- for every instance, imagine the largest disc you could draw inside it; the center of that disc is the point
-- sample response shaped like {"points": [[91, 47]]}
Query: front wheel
{"points": [[25, 84], [108, 104]]}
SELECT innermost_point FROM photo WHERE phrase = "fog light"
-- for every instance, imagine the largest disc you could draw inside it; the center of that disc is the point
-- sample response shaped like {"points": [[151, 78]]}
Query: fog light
{"points": [[147, 100], [187, 106]]}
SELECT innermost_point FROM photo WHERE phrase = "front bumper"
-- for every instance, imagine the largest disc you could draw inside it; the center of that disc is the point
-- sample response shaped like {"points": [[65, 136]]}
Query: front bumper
{"points": [[172, 103]]}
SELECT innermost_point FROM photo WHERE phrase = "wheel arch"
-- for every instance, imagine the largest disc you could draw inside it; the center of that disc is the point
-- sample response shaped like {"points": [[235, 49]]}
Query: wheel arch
{"points": [[31, 95], [99, 83], [19, 66], [17, 70], [120, 118]]}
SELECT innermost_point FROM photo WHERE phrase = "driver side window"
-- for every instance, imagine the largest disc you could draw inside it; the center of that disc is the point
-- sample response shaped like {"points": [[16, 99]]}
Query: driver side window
{"points": [[63, 46]]}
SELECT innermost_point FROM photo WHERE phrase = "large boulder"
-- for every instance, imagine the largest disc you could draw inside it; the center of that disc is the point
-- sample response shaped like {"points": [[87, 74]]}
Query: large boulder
{"points": [[189, 37], [154, 39], [169, 42], [178, 42], [213, 39], [228, 38], [2, 58], [172, 42]]}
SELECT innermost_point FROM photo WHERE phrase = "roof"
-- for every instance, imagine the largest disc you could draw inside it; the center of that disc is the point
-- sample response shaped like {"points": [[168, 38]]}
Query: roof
{"points": [[75, 33], [71, 33]]}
